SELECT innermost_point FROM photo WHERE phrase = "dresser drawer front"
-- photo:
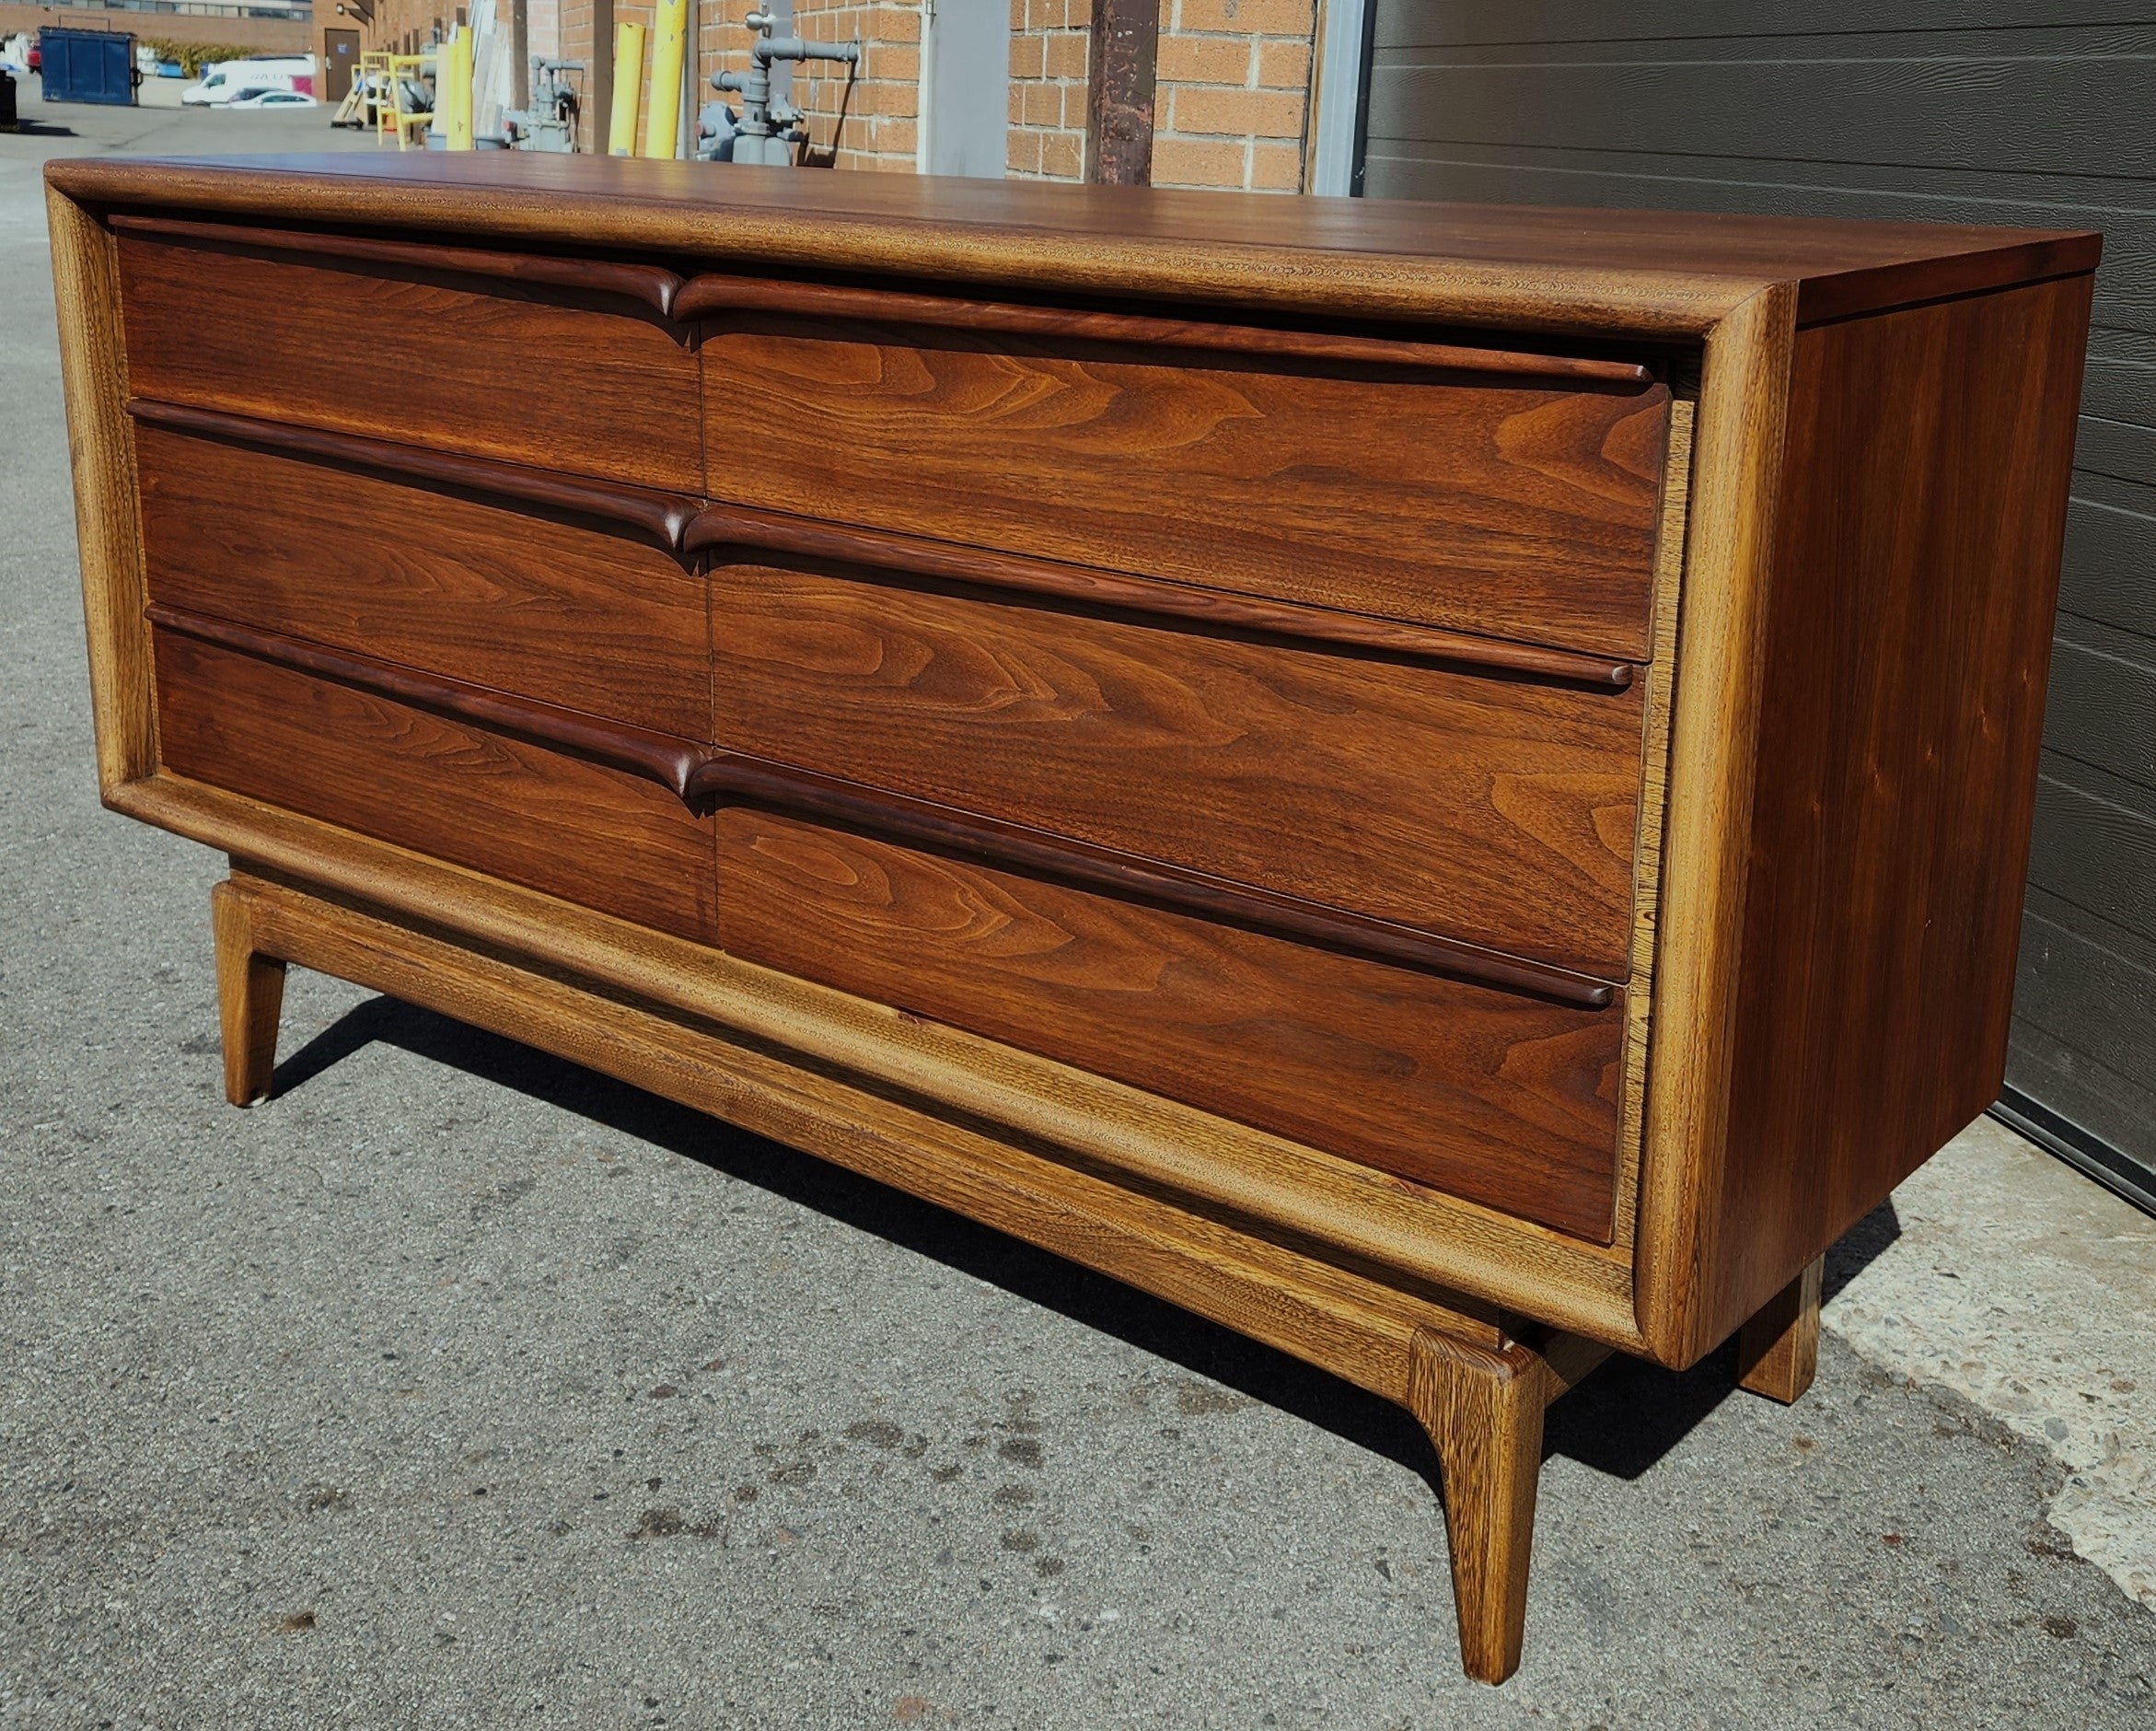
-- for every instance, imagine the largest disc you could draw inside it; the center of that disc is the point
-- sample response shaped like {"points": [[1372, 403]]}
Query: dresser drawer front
{"points": [[1489, 1095], [537, 374], [547, 608], [1518, 508], [1496, 811], [576, 830]]}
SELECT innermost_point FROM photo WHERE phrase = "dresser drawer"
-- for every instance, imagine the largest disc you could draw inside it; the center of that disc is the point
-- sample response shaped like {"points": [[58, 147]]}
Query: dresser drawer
{"points": [[544, 607], [1518, 506], [451, 347], [1495, 809], [1487, 1094], [577, 830]]}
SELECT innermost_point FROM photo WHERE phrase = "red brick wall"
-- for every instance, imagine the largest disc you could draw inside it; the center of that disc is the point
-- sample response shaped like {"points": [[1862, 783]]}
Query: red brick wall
{"points": [[295, 36]]}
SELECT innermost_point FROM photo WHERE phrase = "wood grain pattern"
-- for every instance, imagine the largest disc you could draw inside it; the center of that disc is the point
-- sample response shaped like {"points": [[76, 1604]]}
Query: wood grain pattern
{"points": [[1699, 895], [545, 608], [1353, 1325], [1778, 1349], [250, 993], [1411, 1237], [652, 757], [659, 517], [1482, 1409], [711, 295], [1506, 510], [1486, 1095], [1907, 645], [733, 530], [700, 777], [1671, 273], [1647, 870], [93, 369], [525, 374], [1497, 811], [575, 829], [735, 778], [647, 285]]}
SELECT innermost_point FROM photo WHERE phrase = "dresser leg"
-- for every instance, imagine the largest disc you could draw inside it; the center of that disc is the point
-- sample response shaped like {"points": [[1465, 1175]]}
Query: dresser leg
{"points": [[1483, 1410], [1482, 1407], [250, 992], [1777, 1350]]}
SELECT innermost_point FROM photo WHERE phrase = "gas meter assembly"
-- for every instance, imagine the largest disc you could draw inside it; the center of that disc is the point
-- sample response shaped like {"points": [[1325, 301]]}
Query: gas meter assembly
{"points": [[769, 128]]}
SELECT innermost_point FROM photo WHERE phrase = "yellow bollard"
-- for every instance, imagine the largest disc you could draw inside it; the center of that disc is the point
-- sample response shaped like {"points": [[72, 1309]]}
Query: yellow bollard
{"points": [[454, 77], [669, 44], [628, 89]]}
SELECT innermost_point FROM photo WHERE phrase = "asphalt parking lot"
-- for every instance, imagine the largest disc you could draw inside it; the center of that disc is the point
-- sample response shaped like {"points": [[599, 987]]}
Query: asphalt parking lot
{"points": [[457, 1385]]}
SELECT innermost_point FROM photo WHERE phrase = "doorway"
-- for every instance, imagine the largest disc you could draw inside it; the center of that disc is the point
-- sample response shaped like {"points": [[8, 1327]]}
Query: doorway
{"points": [[339, 61]]}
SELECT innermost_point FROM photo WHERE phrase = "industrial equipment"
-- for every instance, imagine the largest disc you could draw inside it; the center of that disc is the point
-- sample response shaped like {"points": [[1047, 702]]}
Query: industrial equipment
{"points": [[550, 124], [768, 127]]}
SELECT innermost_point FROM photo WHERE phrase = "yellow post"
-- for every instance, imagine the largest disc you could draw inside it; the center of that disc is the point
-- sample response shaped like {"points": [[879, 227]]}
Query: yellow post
{"points": [[668, 46], [454, 76], [628, 89]]}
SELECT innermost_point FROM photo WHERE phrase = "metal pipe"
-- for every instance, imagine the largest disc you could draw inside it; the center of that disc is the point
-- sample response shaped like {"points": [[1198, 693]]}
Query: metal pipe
{"points": [[519, 55], [771, 48], [762, 134]]}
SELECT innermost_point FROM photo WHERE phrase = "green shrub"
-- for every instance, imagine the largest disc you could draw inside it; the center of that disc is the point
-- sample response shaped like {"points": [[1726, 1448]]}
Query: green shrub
{"points": [[193, 56]]}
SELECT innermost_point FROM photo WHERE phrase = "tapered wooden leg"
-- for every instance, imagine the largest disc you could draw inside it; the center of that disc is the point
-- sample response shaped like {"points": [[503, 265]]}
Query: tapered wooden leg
{"points": [[250, 992], [1482, 1407], [1483, 1410], [1777, 1350]]}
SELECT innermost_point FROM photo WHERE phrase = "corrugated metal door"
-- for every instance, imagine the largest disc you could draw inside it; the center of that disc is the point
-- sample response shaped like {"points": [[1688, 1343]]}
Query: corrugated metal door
{"points": [[1954, 110]]}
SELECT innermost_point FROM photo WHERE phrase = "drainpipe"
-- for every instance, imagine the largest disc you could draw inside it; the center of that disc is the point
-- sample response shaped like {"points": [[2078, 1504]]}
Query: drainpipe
{"points": [[1119, 92], [520, 55]]}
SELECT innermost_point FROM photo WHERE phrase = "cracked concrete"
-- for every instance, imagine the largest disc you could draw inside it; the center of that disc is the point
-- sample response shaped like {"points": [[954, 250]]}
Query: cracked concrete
{"points": [[2025, 1288]]}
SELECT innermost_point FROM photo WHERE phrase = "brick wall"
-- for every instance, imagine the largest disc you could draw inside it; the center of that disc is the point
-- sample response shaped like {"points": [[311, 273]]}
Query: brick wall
{"points": [[1232, 95], [871, 120], [1232, 101], [1050, 40], [866, 118], [269, 36], [572, 41]]}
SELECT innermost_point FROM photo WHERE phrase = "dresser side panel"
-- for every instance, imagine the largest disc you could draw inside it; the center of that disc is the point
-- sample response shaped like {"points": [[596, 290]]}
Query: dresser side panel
{"points": [[94, 372], [1908, 638]]}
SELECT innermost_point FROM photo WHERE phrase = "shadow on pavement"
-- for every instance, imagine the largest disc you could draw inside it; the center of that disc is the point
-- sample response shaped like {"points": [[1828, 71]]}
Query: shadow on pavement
{"points": [[1620, 1421]]}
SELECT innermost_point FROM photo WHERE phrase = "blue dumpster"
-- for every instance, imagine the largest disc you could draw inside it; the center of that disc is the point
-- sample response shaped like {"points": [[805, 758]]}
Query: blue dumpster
{"points": [[87, 67]]}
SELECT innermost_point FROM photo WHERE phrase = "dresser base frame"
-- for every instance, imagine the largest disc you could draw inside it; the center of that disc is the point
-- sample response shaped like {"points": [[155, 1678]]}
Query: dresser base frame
{"points": [[1479, 1388]]}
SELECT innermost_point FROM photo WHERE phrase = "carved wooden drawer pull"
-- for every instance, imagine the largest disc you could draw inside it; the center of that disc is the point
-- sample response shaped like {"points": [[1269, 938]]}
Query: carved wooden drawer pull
{"points": [[706, 296], [646, 285]]}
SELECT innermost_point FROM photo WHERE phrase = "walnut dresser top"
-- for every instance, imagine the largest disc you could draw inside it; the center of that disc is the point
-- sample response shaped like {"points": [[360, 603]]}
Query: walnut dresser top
{"points": [[1445, 785]]}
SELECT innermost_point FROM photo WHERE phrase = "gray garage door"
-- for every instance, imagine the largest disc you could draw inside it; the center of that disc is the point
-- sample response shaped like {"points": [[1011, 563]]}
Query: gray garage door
{"points": [[2031, 111]]}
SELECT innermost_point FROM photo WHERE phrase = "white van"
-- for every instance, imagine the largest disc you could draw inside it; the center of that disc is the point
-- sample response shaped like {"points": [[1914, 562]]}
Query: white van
{"points": [[229, 77]]}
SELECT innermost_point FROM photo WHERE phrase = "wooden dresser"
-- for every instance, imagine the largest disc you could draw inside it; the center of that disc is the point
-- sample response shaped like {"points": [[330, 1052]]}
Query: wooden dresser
{"points": [[1445, 786]]}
